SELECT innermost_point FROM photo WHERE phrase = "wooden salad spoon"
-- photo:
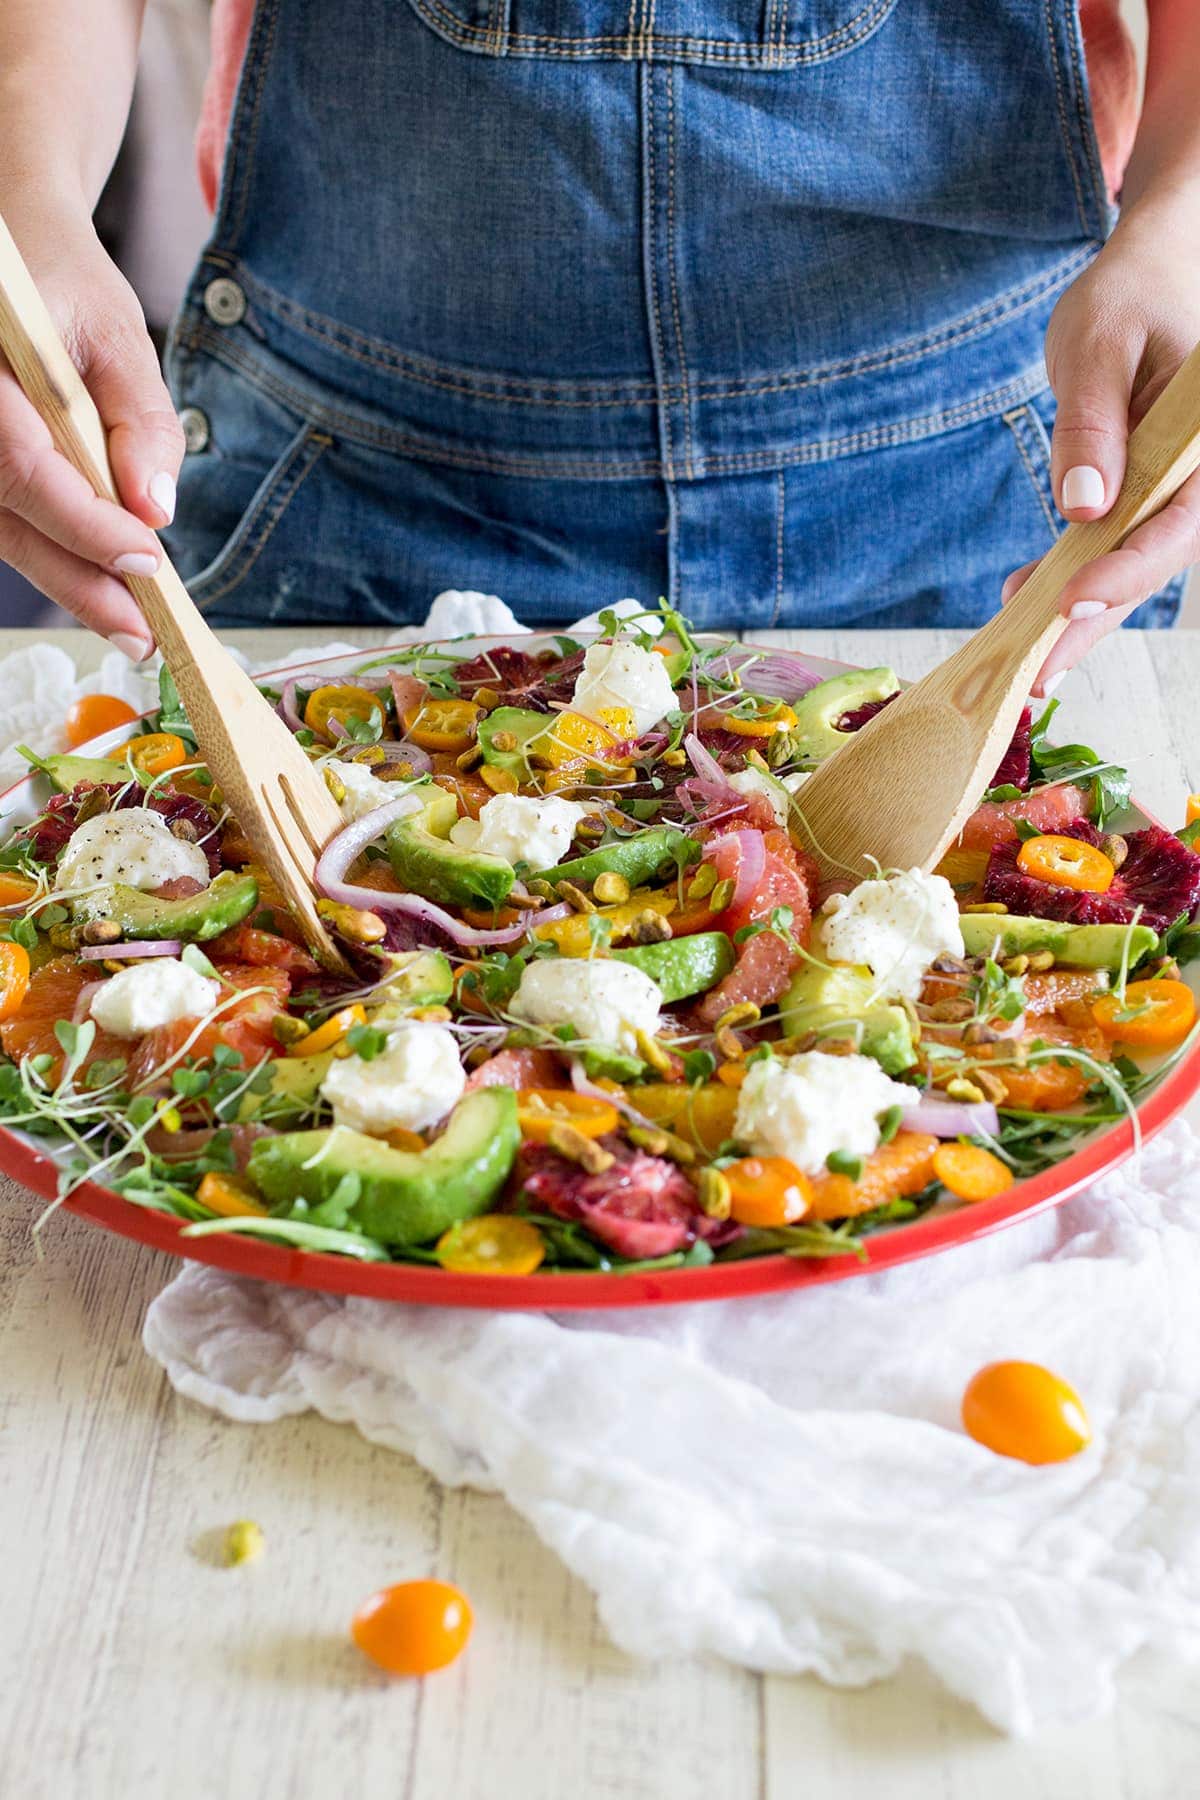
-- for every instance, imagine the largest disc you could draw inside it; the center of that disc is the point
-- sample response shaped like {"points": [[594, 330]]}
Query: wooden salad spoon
{"points": [[900, 790], [276, 795]]}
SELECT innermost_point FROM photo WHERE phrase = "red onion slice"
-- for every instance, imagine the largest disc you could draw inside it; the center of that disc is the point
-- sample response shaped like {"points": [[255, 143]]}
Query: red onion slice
{"points": [[83, 1001], [127, 952], [704, 762], [418, 760], [952, 1118], [344, 849], [752, 862], [778, 676]]}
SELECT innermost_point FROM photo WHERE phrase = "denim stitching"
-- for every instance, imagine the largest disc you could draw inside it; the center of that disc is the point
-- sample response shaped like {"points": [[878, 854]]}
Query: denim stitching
{"points": [[268, 511], [783, 14], [685, 376], [651, 254], [1087, 126], [224, 349], [996, 310], [1062, 115], [1018, 423], [811, 50], [780, 502], [249, 115]]}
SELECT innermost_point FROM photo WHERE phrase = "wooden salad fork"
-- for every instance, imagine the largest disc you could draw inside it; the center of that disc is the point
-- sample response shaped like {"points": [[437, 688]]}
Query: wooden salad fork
{"points": [[900, 790], [277, 796]]}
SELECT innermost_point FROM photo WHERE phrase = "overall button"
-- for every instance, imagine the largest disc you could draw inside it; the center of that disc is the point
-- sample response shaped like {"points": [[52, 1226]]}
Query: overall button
{"points": [[196, 431], [224, 301]]}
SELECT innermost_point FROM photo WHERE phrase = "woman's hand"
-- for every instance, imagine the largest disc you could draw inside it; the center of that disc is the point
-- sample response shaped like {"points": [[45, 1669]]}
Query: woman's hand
{"points": [[1114, 341], [53, 528]]}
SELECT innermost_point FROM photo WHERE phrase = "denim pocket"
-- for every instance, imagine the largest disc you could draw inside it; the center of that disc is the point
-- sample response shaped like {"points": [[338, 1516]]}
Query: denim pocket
{"points": [[760, 34], [1032, 441], [251, 457]]}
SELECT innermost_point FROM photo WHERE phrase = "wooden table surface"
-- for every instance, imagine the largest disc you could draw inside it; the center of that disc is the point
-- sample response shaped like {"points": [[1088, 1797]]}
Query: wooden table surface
{"points": [[131, 1664]]}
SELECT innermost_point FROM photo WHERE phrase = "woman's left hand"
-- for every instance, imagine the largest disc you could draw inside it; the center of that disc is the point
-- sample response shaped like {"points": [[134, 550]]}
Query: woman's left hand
{"points": [[1114, 341]]}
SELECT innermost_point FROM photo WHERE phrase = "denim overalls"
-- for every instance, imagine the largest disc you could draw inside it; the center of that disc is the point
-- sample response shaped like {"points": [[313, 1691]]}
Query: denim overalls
{"points": [[737, 301]]}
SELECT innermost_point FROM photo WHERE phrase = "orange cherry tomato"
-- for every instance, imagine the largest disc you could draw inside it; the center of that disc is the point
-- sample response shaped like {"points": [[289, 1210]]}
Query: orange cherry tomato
{"points": [[496, 1244], [229, 1196], [1022, 1410], [329, 1035], [155, 754], [414, 1627], [14, 978], [441, 724], [94, 714], [16, 890], [769, 716], [971, 1172], [1154, 1015], [1193, 809], [342, 704], [1067, 862], [767, 1190], [539, 1110]]}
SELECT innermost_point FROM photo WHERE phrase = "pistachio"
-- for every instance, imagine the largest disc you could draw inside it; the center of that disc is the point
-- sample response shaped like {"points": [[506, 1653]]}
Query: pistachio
{"points": [[650, 927], [371, 755], [522, 899], [729, 1043], [992, 1085], [355, 926], [712, 1191], [244, 1542], [674, 759], [287, 1030], [545, 890], [396, 771], [959, 1088], [1040, 961], [1165, 967], [487, 699], [648, 1138], [651, 1051], [744, 1013], [501, 781], [722, 894], [950, 1012], [1015, 965], [336, 788], [986, 906], [432, 1015], [100, 931], [94, 802], [504, 740], [184, 830], [590, 828], [477, 1054], [62, 937], [703, 882], [575, 896], [980, 1034], [580, 1149], [610, 888], [470, 758], [949, 965], [1115, 848], [837, 1046]]}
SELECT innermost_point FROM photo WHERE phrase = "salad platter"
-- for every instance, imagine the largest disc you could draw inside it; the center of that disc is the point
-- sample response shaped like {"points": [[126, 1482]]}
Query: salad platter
{"points": [[606, 1042]]}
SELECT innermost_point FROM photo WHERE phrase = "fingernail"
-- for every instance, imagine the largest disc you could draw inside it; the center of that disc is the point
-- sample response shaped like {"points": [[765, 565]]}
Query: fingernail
{"points": [[1087, 609], [136, 562], [137, 649], [1051, 682], [1082, 487], [1009, 588], [162, 492]]}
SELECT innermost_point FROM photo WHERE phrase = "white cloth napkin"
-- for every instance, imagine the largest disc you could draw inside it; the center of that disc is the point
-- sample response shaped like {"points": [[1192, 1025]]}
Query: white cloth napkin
{"points": [[784, 1482]]}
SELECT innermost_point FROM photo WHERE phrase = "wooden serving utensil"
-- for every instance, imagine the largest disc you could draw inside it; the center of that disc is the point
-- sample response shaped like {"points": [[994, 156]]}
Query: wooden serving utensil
{"points": [[900, 790], [277, 796]]}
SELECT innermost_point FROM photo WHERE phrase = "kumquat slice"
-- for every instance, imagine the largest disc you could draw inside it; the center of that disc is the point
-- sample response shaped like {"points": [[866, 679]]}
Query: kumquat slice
{"points": [[496, 1244], [340, 703], [1066, 862], [1150, 1015], [539, 1110], [155, 754], [441, 724], [14, 978], [767, 1190], [768, 717], [970, 1172]]}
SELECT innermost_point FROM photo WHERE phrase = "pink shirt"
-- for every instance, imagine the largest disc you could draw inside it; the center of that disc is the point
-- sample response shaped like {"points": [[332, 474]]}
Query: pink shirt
{"points": [[1112, 70]]}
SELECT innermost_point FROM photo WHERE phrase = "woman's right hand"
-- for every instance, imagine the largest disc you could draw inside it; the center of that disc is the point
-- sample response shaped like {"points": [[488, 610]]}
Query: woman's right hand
{"points": [[68, 542]]}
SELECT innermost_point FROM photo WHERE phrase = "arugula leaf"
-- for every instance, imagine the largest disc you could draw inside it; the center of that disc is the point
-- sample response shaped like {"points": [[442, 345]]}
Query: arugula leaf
{"points": [[1190, 835], [1109, 783], [1006, 791], [171, 715], [1181, 940]]}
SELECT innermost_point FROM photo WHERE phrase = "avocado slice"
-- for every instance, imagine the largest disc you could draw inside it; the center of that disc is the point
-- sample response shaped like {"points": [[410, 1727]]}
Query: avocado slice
{"points": [[66, 772], [1079, 946], [404, 1197], [523, 723], [294, 1084], [814, 735], [636, 857], [418, 978], [685, 965], [827, 1000], [427, 862], [224, 903]]}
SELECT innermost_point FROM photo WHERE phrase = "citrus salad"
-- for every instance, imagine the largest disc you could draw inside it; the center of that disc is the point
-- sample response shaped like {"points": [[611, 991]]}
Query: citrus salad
{"points": [[601, 1014]]}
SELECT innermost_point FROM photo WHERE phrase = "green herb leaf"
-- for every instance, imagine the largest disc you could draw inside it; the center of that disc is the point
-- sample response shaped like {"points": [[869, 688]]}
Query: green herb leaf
{"points": [[192, 957], [889, 1123], [366, 1041], [840, 1162], [698, 1066]]}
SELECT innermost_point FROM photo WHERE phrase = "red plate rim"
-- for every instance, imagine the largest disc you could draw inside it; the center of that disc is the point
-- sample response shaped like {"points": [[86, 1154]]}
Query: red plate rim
{"points": [[570, 1290]]}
